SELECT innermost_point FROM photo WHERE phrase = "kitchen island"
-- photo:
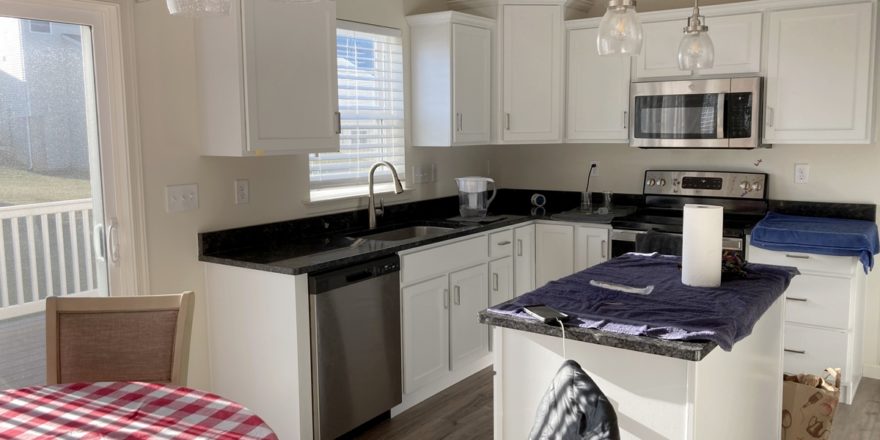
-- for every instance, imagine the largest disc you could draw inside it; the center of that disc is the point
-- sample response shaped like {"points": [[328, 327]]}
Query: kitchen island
{"points": [[660, 388]]}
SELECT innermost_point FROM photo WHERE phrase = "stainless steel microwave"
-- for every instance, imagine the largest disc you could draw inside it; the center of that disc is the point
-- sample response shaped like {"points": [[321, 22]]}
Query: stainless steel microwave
{"points": [[705, 113]]}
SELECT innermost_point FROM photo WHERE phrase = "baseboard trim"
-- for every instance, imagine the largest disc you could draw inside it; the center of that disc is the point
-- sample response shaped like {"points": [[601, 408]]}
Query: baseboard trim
{"points": [[872, 371], [418, 396]]}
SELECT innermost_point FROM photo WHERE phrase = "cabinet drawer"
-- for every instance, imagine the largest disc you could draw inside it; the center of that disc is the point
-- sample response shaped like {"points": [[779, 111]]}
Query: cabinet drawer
{"points": [[442, 259], [804, 262], [818, 300], [811, 350], [501, 244]]}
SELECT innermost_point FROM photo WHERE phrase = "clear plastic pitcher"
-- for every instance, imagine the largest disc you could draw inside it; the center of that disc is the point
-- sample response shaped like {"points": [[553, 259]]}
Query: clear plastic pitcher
{"points": [[472, 200]]}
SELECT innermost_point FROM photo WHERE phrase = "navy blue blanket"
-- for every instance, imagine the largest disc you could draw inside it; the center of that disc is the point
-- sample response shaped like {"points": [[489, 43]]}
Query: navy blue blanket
{"points": [[816, 235], [671, 311]]}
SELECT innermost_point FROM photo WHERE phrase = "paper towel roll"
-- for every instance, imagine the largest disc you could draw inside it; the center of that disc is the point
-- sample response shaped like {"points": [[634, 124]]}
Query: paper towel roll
{"points": [[701, 245]]}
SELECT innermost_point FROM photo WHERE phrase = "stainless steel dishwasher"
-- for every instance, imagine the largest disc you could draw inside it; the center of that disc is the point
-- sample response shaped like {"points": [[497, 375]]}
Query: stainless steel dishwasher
{"points": [[355, 341]]}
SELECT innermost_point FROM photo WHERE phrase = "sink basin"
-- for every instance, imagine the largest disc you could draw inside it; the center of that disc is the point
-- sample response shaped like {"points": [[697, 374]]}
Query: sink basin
{"points": [[407, 233]]}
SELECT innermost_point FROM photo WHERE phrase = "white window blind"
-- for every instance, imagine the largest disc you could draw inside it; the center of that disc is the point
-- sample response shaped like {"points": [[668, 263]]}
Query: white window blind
{"points": [[370, 73]]}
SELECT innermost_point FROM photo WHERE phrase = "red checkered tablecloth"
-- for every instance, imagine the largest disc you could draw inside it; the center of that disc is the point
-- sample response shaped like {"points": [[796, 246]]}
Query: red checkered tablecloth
{"points": [[124, 410]]}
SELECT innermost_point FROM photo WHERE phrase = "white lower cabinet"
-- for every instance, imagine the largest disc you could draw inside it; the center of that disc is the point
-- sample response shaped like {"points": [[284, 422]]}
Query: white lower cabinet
{"points": [[524, 260], [426, 332], [500, 281], [554, 252], [591, 247], [470, 296], [824, 314]]}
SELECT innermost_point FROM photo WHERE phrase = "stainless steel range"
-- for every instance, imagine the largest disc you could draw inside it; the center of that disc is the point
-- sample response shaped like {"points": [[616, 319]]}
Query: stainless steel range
{"points": [[657, 227]]}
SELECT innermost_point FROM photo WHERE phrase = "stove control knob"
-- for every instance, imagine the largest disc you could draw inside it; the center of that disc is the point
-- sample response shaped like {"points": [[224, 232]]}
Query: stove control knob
{"points": [[662, 182], [652, 182], [745, 186], [756, 186]]}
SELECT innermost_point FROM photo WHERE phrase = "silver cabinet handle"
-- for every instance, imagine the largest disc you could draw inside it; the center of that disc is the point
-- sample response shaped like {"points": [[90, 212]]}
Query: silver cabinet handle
{"points": [[507, 115], [793, 298], [770, 116], [504, 243], [604, 249], [625, 119], [800, 257], [461, 122], [519, 248], [788, 350], [457, 295], [495, 281], [338, 117], [445, 298]]}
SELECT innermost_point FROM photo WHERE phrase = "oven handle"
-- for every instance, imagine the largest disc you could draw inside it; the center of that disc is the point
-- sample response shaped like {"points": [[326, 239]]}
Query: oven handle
{"points": [[719, 116], [727, 243]]}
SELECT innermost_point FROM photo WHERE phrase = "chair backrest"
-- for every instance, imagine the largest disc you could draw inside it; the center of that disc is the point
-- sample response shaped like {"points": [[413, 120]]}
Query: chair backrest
{"points": [[142, 338]]}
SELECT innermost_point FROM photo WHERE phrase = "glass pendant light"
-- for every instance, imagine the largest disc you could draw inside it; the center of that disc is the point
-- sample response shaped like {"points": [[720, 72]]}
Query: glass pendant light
{"points": [[696, 50], [620, 32], [198, 8]]}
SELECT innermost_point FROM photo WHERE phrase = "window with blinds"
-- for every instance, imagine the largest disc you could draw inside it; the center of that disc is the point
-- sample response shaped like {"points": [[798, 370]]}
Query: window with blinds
{"points": [[370, 73]]}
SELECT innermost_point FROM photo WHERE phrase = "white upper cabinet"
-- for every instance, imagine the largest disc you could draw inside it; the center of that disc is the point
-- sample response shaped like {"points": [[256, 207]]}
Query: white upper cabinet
{"points": [[531, 73], [451, 57], [597, 98], [736, 38], [818, 86], [267, 79]]}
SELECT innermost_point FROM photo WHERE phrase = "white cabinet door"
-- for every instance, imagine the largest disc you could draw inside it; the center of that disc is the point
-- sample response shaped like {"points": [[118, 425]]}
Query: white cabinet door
{"points": [[290, 76], [500, 281], [591, 247], [598, 91], [523, 260], [531, 90], [471, 84], [425, 332], [554, 252], [736, 38], [818, 83], [470, 296]]}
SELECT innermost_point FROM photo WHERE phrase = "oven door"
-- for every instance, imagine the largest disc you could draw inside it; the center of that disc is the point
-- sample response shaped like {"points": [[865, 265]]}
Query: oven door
{"points": [[624, 240], [717, 113]]}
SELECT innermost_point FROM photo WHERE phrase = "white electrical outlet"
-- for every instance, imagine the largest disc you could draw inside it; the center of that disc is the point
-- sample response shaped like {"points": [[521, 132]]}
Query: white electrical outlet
{"points": [[181, 198], [242, 192], [801, 173], [595, 170]]}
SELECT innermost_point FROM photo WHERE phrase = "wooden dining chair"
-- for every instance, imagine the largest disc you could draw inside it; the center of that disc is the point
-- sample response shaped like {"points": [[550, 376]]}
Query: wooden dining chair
{"points": [[141, 338]]}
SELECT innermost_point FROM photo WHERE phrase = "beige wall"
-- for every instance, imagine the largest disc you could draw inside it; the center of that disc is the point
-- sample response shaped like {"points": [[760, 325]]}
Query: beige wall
{"points": [[168, 115], [279, 185]]}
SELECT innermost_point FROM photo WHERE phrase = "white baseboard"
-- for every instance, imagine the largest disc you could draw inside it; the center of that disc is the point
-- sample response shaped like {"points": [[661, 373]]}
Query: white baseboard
{"points": [[872, 371], [418, 396]]}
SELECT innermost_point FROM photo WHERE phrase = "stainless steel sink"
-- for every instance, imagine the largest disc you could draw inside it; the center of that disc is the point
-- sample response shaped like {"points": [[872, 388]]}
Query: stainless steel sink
{"points": [[407, 233]]}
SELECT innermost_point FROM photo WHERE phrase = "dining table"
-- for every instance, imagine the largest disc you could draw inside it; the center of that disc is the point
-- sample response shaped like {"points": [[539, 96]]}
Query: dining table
{"points": [[124, 410]]}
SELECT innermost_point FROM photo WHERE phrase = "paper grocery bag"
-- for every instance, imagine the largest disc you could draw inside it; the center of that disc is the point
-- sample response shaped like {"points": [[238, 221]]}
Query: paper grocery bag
{"points": [[808, 405]]}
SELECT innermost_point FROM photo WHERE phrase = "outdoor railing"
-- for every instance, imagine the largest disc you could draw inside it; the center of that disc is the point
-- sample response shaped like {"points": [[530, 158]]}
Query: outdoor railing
{"points": [[46, 250]]}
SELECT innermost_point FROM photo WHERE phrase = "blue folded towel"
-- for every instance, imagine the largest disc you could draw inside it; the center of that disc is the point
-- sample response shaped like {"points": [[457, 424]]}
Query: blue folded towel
{"points": [[818, 235]]}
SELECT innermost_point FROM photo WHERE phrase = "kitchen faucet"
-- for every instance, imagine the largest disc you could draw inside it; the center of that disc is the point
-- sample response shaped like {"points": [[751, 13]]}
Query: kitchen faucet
{"points": [[398, 188]]}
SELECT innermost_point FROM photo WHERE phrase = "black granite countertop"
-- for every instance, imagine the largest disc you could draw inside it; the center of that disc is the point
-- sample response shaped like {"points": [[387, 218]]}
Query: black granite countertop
{"points": [[687, 350]]}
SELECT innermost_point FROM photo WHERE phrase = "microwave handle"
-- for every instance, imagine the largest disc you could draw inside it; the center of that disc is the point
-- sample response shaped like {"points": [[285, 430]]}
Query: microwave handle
{"points": [[719, 115]]}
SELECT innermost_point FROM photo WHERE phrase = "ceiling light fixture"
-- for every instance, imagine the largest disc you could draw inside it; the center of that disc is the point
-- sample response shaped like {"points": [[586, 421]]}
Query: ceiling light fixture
{"points": [[198, 8], [620, 32], [696, 50]]}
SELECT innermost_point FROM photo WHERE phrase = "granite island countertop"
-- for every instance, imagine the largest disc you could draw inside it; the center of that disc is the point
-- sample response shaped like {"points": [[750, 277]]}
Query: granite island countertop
{"points": [[686, 350]]}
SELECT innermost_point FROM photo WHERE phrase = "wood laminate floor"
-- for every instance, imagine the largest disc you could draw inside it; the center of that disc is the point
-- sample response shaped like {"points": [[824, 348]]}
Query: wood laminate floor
{"points": [[464, 412]]}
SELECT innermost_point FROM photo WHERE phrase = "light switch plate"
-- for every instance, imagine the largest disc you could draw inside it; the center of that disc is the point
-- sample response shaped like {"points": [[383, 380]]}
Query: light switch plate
{"points": [[242, 191], [425, 173], [180, 198]]}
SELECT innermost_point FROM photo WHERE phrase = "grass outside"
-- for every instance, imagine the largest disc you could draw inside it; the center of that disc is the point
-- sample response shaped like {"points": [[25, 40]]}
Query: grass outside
{"points": [[20, 187]]}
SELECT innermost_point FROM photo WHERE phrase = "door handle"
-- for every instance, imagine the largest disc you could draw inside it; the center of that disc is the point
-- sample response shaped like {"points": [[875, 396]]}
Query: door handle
{"points": [[445, 298], [799, 257], [338, 118], [457, 295], [788, 350], [793, 298], [625, 119], [98, 241], [507, 115], [495, 281], [113, 239], [604, 248], [770, 116], [461, 122], [519, 248], [504, 243], [719, 116]]}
